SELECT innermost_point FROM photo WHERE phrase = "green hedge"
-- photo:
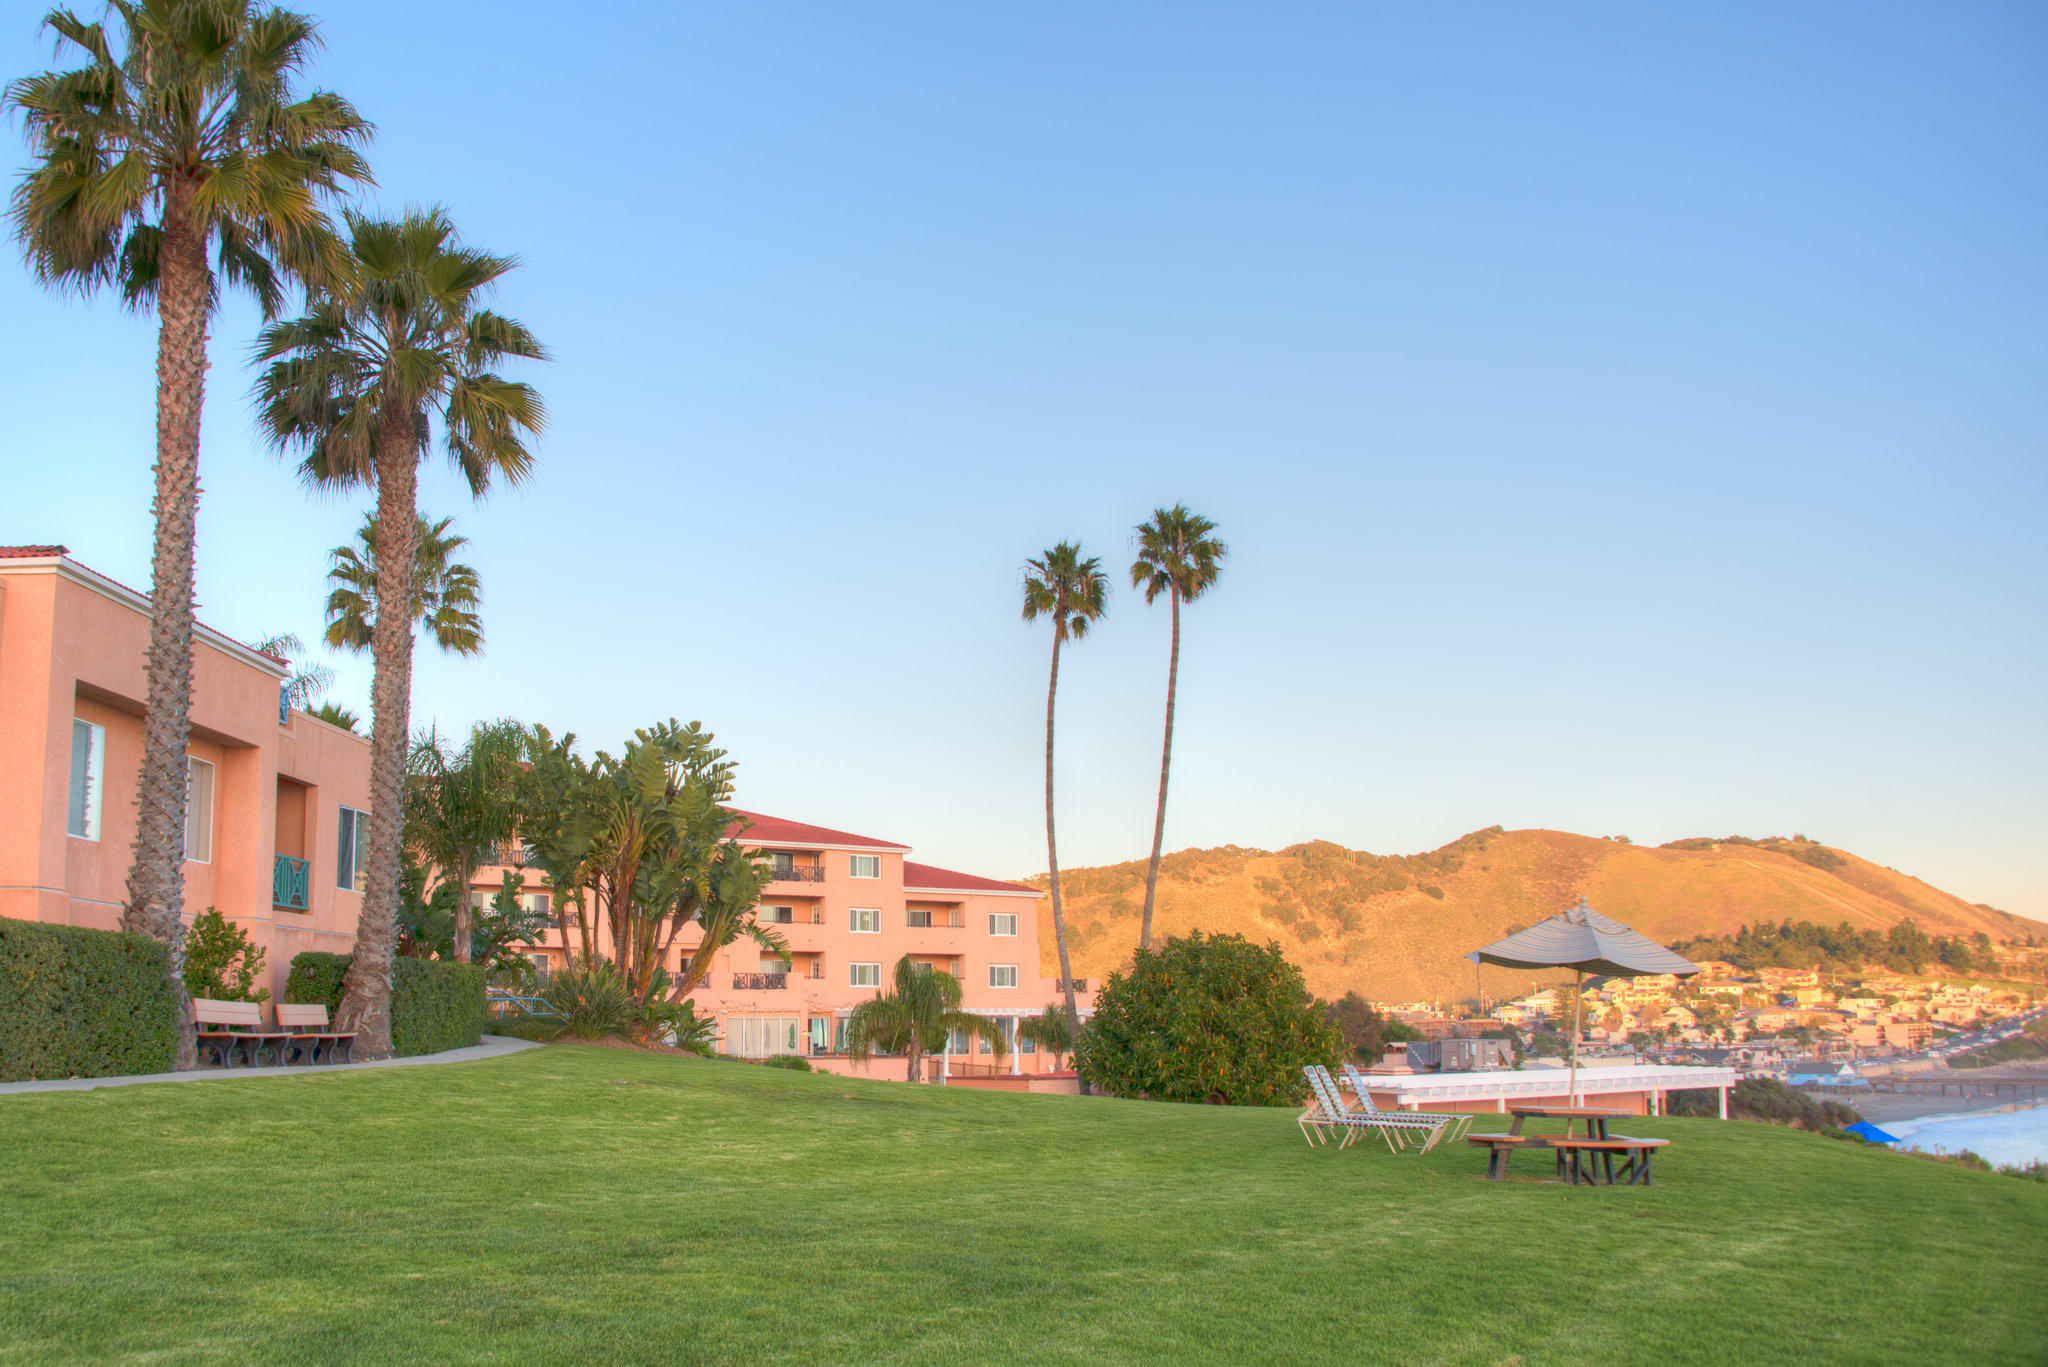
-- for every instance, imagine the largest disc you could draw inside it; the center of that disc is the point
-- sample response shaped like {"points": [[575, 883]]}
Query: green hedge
{"points": [[83, 1003], [434, 1005]]}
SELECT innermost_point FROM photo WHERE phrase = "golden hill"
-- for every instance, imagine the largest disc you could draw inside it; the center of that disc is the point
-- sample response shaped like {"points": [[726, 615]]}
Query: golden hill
{"points": [[1397, 927]]}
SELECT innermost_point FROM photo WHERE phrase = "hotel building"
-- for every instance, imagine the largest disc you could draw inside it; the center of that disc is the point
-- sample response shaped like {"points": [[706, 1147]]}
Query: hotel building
{"points": [[276, 800]]}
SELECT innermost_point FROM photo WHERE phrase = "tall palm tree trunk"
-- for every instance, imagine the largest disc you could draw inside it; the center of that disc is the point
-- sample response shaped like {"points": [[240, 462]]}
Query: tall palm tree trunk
{"points": [[1052, 853], [156, 880], [465, 918], [366, 1000], [1165, 761]]}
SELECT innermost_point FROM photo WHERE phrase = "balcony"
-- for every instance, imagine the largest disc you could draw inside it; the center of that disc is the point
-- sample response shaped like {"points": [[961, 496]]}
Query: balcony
{"points": [[1078, 984], [291, 882], [796, 873], [760, 982]]}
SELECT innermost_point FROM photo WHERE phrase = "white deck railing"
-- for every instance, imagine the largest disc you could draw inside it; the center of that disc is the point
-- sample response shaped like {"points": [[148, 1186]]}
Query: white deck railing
{"points": [[1422, 1089]]}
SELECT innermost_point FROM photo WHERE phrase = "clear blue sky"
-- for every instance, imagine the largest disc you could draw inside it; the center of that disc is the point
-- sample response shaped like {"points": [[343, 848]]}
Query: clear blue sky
{"points": [[1624, 419]]}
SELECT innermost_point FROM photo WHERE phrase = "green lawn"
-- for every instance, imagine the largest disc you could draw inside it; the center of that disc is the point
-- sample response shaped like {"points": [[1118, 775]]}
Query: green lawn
{"points": [[581, 1205]]}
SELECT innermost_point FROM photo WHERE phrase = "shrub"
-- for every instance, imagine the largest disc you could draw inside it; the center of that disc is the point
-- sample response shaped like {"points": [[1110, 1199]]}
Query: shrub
{"points": [[796, 1063], [221, 961], [1216, 1019], [83, 1003], [592, 1001], [434, 1005], [1766, 1099]]}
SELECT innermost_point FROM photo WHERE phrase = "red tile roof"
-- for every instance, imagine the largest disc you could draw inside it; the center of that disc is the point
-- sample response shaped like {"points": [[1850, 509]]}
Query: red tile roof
{"points": [[30, 552], [927, 876], [773, 830]]}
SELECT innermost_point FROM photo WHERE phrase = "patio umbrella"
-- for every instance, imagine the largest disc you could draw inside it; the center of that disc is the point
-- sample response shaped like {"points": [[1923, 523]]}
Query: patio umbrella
{"points": [[1584, 941]]}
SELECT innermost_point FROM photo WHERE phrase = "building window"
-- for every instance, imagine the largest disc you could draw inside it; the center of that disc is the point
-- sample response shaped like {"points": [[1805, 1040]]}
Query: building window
{"points": [[771, 964], [781, 864], [352, 854], [1002, 923], [866, 866], [778, 916], [535, 903], [956, 1042], [1002, 975], [198, 810], [760, 1036], [919, 920], [864, 975], [820, 1034], [88, 776], [864, 920]]}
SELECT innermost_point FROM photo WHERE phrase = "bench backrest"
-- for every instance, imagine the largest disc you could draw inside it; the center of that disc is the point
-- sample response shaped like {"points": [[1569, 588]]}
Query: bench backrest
{"points": [[207, 1011], [1325, 1089], [290, 1014]]}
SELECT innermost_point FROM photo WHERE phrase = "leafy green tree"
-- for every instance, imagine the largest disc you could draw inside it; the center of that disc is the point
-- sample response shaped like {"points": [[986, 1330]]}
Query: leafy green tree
{"points": [[221, 962], [1074, 593], [914, 1017], [179, 137], [1216, 1019], [463, 804], [446, 594], [358, 385], [1367, 1030], [640, 846], [1180, 556]]}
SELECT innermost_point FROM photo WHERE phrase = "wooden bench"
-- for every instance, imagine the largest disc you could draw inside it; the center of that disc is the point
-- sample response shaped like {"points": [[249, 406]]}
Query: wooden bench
{"points": [[311, 1043], [242, 1033], [1590, 1162]]}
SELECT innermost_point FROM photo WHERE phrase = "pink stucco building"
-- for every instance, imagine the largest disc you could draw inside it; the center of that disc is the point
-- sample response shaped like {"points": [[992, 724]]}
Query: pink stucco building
{"points": [[850, 906], [276, 799]]}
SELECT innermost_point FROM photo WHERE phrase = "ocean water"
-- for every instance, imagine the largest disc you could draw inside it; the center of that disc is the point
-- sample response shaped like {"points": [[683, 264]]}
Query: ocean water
{"points": [[1997, 1136]]}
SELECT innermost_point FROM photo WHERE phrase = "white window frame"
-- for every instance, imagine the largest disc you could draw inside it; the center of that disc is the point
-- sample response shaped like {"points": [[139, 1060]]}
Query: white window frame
{"points": [[853, 975], [994, 969], [854, 863], [88, 780], [353, 826], [996, 918], [853, 919], [198, 810]]}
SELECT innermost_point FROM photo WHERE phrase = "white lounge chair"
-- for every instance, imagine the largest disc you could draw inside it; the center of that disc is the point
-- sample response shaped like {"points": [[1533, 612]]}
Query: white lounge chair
{"points": [[1461, 1121], [1328, 1112]]}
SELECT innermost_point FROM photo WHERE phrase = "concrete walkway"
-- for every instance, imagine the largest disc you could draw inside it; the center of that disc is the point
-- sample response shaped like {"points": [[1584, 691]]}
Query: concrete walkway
{"points": [[493, 1046]]}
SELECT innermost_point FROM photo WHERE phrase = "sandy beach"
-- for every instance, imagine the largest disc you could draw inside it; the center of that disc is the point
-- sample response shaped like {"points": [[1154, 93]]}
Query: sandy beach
{"points": [[1878, 1107]]}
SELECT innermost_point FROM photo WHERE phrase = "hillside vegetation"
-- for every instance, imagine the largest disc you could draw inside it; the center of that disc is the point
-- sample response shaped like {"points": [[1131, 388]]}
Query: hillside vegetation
{"points": [[586, 1205], [1397, 927]]}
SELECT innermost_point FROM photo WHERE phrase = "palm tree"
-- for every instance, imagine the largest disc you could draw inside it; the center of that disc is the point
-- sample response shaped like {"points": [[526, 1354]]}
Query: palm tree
{"points": [[1074, 593], [915, 1015], [335, 715], [1049, 1031], [357, 385], [303, 682], [1179, 556], [465, 805], [445, 593], [178, 139]]}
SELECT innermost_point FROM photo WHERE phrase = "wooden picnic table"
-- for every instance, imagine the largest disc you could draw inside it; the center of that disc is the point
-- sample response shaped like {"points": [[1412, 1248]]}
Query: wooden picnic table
{"points": [[1588, 1159], [1596, 1118]]}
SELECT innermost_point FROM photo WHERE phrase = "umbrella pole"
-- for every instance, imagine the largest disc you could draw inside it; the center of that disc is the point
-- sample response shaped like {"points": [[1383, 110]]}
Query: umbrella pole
{"points": [[1578, 997]]}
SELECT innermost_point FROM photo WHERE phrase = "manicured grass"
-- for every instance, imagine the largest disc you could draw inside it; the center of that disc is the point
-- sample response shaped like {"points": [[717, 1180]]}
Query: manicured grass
{"points": [[582, 1205]]}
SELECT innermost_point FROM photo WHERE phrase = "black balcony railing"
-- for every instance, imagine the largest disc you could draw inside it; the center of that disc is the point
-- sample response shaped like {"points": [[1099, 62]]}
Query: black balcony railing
{"points": [[759, 982], [1079, 984], [797, 873]]}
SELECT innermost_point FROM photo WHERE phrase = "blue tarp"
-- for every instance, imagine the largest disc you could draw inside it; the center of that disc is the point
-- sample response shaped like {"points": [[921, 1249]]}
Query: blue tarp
{"points": [[1863, 1129]]}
